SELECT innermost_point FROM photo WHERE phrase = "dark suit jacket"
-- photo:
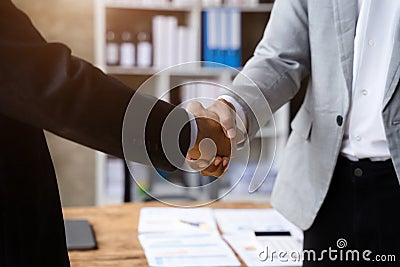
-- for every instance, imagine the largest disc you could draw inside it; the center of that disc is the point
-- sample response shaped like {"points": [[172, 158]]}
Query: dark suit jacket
{"points": [[43, 87]]}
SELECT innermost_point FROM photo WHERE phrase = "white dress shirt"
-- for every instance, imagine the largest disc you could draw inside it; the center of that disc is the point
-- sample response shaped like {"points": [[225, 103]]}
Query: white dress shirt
{"points": [[373, 46], [364, 135]]}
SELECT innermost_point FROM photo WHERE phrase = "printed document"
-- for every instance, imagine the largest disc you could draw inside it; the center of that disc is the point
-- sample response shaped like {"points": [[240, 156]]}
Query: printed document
{"points": [[187, 249], [183, 237], [261, 237]]}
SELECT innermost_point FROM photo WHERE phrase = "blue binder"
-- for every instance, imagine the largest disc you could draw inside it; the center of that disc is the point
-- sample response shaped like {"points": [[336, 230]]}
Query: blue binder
{"points": [[210, 37], [233, 55]]}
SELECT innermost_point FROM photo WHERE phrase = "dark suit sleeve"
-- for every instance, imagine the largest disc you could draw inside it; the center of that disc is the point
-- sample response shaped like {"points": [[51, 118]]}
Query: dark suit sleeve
{"points": [[43, 85]]}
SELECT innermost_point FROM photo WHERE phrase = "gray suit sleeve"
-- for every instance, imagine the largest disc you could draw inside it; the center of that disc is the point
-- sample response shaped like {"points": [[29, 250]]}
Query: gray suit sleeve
{"points": [[279, 64]]}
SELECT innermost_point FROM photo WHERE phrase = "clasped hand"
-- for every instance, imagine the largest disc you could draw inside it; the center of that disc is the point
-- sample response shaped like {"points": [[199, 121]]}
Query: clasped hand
{"points": [[216, 139]]}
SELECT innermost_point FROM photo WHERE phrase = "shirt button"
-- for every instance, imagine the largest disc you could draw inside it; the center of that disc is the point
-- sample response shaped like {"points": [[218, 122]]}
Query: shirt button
{"points": [[358, 172], [364, 92], [371, 42], [339, 120], [358, 138]]}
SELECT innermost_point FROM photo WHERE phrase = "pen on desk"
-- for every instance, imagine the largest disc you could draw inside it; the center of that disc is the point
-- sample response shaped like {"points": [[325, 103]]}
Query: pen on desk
{"points": [[195, 224], [272, 233]]}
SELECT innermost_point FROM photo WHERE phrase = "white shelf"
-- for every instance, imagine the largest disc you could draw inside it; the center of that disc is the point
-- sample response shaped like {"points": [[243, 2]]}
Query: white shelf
{"points": [[126, 4], [184, 71], [133, 5]]}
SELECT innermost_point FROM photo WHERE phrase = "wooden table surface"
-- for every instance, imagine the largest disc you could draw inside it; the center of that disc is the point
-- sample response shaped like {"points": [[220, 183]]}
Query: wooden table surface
{"points": [[116, 229]]}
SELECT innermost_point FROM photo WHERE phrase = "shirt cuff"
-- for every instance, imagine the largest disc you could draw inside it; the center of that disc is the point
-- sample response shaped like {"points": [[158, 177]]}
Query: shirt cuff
{"points": [[193, 130], [239, 111]]}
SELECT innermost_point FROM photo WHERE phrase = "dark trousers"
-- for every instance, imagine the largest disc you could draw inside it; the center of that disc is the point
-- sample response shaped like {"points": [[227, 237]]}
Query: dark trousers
{"points": [[361, 212]]}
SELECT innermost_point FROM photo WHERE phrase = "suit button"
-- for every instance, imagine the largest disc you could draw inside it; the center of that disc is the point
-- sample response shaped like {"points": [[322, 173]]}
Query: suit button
{"points": [[339, 120], [358, 172]]}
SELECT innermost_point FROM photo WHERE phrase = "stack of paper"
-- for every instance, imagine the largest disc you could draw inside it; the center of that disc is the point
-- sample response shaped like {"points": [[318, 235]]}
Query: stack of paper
{"points": [[183, 237]]}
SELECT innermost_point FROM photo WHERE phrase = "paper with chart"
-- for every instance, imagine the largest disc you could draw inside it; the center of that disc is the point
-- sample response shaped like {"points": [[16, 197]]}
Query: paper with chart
{"points": [[183, 237], [187, 249], [258, 235]]}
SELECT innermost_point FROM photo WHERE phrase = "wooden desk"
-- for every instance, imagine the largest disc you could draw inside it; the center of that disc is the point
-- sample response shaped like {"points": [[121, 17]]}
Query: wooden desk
{"points": [[116, 229]]}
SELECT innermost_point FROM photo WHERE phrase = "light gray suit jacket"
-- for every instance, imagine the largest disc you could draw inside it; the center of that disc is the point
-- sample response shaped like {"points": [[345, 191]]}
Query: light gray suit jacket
{"points": [[315, 39]]}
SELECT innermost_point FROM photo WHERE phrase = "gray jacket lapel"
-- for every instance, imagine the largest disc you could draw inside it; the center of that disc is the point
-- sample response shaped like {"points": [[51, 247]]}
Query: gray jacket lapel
{"points": [[345, 14], [393, 75]]}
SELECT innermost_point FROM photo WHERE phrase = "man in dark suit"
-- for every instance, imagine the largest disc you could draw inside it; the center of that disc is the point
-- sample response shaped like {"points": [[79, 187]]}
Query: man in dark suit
{"points": [[42, 86]]}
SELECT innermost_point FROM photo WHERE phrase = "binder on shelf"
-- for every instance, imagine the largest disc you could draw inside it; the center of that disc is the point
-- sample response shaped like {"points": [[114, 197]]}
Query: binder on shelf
{"points": [[205, 92], [164, 40], [170, 41], [193, 45], [210, 35], [187, 44], [158, 32], [222, 36], [172, 44], [184, 3], [207, 3], [183, 48], [233, 56]]}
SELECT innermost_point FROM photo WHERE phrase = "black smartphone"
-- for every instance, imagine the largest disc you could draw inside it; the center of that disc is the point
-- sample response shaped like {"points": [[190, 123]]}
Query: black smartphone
{"points": [[80, 235]]}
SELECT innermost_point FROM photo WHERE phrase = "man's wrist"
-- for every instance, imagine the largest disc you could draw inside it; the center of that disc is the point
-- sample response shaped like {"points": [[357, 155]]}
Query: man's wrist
{"points": [[239, 111], [193, 130]]}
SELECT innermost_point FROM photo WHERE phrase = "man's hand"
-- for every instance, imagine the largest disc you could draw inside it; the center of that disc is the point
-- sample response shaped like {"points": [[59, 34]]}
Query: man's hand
{"points": [[226, 115], [215, 145], [229, 119]]}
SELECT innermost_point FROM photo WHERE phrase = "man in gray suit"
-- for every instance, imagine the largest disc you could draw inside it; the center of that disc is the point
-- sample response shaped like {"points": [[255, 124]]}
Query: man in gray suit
{"points": [[339, 176]]}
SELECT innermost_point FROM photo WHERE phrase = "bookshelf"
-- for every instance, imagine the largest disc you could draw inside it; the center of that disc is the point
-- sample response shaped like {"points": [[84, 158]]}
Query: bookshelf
{"points": [[133, 16]]}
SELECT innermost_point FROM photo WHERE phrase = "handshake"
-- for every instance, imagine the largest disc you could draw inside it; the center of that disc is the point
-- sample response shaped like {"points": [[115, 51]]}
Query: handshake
{"points": [[217, 137]]}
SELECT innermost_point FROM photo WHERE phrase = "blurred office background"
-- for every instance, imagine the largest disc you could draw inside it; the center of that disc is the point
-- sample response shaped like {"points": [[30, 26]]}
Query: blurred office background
{"points": [[73, 22]]}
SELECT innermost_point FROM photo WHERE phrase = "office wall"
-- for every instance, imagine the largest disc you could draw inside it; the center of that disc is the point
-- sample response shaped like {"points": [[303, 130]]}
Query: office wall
{"points": [[69, 22]]}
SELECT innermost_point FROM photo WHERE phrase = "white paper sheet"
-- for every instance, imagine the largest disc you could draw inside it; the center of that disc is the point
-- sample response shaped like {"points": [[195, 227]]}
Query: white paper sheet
{"points": [[187, 249], [266, 250], [161, 220], [239, 227], [254, 220]]}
